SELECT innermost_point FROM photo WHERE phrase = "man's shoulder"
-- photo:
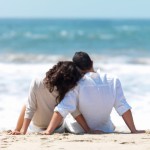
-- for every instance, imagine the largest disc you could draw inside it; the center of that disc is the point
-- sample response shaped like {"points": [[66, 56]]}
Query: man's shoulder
{"points": [[107, 77]]}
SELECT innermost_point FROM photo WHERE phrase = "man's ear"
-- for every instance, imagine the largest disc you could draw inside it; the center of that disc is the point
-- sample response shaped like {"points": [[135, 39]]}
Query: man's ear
{"points": [[92, 63], [83, 72]]}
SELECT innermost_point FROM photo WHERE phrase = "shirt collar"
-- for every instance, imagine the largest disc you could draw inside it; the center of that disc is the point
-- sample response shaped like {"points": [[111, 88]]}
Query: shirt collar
{"points": [[90, 74]]}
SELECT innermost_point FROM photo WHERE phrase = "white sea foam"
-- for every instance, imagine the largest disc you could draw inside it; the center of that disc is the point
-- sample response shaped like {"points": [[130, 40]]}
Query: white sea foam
{"points": [[127, 28], [64, 33], [35, 36], [30, 58], [106, 36], [8, 35]]}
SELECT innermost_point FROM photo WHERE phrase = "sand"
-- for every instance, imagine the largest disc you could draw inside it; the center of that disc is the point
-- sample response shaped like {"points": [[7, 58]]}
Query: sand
{"points": [[67, 141]]}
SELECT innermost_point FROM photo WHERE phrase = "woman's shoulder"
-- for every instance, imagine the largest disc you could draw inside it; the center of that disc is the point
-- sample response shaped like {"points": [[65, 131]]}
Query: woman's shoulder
{"points": [[37, 82]]}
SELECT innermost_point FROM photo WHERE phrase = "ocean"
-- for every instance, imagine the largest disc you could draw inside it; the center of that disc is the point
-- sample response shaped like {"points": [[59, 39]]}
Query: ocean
{"points": [[29, 47]]}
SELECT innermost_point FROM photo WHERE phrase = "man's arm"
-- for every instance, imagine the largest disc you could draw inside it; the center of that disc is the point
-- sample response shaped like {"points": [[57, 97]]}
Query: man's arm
{"points": [[123, 108], [54, 123], [80, 119], [57, 119], [128, 119], [67, 105]]}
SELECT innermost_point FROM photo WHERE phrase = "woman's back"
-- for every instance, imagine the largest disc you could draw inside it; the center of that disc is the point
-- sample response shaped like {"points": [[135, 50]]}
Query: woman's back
{"points": [[41, 103]]}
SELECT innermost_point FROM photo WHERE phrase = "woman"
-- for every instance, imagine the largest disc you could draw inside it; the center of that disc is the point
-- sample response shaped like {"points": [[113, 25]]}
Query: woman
{"points": [[45, 94]]}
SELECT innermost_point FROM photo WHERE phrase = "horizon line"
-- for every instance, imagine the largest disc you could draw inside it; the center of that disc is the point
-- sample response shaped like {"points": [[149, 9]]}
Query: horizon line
{"points": [[77, 18]]}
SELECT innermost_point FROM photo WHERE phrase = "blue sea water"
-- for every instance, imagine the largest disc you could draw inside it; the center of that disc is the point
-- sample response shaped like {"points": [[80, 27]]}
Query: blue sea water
{"points": [[57, 37], [29, 47]]}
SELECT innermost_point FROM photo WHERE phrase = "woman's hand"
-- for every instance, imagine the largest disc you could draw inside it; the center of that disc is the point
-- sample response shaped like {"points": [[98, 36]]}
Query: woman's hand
{"points": [[15, 132]]}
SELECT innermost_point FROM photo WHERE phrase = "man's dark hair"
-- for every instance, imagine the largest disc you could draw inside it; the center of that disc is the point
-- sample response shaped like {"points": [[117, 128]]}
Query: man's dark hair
{"points": [[82, 60]]}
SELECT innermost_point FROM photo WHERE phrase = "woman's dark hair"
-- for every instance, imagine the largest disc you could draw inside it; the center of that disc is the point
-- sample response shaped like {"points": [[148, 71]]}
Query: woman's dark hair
{"points": [[62, 77]]}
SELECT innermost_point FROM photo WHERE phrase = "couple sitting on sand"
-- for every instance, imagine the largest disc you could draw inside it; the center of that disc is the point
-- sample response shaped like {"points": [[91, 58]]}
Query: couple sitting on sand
{"points": [[74, 87]]}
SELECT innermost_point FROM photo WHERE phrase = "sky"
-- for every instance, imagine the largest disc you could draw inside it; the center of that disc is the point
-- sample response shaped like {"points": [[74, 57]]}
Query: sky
{"points": [[75, 9]]}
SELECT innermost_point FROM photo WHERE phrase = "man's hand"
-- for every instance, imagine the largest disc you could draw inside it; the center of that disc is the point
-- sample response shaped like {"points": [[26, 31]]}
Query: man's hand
{"points": [[138, 131], [46, 132], [80, 119], [128, 119], [54, 123], [97, 132]]}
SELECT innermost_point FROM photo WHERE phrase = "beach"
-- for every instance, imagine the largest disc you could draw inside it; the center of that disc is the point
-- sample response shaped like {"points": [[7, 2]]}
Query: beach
{"points": [[66, 141], [29, 48]]}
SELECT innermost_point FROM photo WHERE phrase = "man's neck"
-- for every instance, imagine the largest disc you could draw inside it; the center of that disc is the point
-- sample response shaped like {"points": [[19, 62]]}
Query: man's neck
{"points": [[90, 70]]}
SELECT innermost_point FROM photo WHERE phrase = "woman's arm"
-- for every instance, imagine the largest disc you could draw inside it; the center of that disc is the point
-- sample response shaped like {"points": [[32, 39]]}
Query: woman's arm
{"points": [[25, 126], [20, 121], [27, 111]]}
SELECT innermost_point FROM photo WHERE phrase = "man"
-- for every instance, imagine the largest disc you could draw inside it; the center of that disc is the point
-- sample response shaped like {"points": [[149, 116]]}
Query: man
{"points": [[95, 96]]}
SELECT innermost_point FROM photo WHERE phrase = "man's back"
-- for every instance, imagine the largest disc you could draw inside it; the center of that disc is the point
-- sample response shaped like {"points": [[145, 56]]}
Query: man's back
{"points": [[96, 100], [95, 96]]}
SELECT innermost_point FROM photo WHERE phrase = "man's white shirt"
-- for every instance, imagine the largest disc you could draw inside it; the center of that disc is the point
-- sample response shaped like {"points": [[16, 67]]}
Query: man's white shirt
{"points": [[95, 96]]}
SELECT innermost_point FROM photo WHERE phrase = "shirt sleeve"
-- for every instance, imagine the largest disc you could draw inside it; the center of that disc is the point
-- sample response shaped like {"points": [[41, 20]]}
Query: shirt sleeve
{"points": [[31, 104], [76, 113], [121, 104], [68, 104]]}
